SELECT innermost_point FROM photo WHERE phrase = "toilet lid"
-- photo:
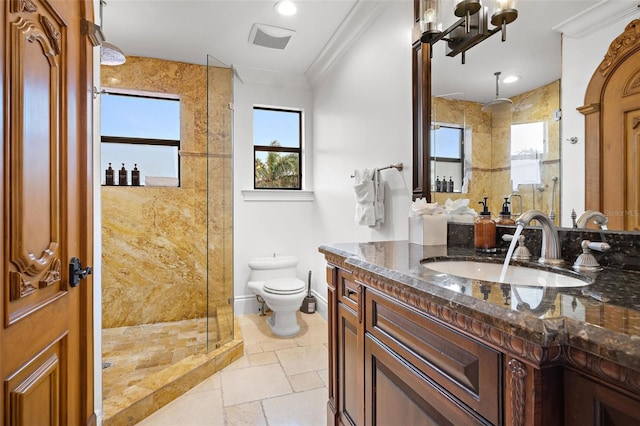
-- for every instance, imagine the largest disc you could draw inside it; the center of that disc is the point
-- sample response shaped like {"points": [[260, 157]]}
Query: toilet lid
{"points": [[284, 286]]}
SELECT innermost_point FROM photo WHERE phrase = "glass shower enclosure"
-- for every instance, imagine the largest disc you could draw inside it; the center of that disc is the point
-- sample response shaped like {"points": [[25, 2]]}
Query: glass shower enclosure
{"points": [[219, 214]]}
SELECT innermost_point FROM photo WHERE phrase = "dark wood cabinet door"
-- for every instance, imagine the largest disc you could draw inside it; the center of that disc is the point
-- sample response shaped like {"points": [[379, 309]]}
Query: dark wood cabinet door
{"points": [[350, 392], [590, 403], [399, 394]]}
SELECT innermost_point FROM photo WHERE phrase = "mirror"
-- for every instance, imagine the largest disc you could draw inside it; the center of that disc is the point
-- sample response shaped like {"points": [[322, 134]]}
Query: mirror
{"points": [[518, 153]]}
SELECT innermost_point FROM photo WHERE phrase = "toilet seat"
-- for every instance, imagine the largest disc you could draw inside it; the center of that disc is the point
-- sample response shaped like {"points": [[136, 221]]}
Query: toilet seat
{"points": [[284, 286]]}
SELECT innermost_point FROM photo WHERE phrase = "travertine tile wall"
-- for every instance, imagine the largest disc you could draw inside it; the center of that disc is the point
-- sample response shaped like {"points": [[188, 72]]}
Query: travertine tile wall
{"points": [[154, 240], [488, 139]]}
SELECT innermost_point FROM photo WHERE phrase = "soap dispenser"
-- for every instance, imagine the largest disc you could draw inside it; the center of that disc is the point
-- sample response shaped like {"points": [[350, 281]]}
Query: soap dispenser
{"points": [[505, 214], [485, 230]]}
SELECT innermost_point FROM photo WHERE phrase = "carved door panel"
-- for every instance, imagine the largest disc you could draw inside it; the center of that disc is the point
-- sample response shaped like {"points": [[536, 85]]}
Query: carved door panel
{"points": [[621, 141], [632, 175], [46, 332]]}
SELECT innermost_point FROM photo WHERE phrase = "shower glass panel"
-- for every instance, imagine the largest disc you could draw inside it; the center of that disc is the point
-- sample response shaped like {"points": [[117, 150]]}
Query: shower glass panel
{"points": [[219, 212]]}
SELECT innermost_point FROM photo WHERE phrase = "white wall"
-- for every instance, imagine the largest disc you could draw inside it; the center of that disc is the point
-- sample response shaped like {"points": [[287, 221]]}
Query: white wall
{"points": [[361, 114], [281, 226], [362, 119], [580, 58]]}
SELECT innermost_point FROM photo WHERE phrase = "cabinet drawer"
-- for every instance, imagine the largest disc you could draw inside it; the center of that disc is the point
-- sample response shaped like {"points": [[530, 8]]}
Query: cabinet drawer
{"points": [[467, 369], [348, 290]]}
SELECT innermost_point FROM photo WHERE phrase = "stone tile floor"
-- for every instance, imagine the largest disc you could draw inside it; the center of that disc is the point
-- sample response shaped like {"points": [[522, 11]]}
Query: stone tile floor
{"points": [[278, 382]]}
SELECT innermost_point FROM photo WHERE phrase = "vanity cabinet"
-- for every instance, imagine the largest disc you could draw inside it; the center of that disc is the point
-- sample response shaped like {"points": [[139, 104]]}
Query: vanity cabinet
{"points": [[346, 380], [591, 402], [394, 365], [400, 355]]}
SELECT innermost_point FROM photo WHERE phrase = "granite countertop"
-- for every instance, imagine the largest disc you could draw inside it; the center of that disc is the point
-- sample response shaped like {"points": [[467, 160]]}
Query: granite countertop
{"points": [[602, 318]]}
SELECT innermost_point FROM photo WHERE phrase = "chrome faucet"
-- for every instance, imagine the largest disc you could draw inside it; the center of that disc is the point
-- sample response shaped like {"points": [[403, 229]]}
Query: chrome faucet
{"points": [[600, 219], [550, 252]]}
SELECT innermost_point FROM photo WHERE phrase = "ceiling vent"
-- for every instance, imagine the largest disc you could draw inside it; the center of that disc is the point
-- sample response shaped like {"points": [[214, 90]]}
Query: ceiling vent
{"points": [[269, 36]]}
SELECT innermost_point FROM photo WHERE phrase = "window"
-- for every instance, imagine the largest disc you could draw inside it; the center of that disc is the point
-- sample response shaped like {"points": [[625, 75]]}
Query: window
{"points": [[277, 148], [142, 132], [527, 147], [447, 148]]}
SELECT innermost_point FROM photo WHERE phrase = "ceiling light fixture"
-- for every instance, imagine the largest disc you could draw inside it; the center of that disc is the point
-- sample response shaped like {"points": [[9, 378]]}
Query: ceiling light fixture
{"points": [[286, 8], [511, 79], [110, 54], [471, 28]]}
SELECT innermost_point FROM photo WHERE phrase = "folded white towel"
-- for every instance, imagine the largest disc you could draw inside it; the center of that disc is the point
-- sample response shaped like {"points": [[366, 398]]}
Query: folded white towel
{"points": [[365, 196], [378, 203]]}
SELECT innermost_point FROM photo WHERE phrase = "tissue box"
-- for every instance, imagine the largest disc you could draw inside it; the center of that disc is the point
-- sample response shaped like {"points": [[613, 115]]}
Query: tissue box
{"points": [[461, 218], [428, 230]]}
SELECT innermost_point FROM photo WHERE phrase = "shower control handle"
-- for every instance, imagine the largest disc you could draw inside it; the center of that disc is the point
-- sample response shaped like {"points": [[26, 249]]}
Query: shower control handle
{"points": [[77, 272]]}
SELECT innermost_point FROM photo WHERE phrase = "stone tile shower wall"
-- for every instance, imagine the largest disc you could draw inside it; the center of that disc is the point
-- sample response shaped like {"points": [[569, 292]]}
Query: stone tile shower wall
{"points": [[154, 239], [490, 164]]}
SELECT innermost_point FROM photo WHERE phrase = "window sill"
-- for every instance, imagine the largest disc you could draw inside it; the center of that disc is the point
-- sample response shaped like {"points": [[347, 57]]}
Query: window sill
{"points": [[276, 195]]}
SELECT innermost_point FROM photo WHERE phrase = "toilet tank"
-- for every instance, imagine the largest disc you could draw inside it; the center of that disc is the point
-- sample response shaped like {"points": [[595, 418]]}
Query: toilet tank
{"points": [[272, 267]]}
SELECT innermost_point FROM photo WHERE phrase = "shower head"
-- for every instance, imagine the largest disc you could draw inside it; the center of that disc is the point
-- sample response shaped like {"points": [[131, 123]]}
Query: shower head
{"points": [[110, 54], [498, 104]]}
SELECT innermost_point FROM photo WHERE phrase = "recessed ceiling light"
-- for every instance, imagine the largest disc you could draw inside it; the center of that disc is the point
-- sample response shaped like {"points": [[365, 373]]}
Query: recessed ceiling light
{"points": [[286, 8], [511, 79]]}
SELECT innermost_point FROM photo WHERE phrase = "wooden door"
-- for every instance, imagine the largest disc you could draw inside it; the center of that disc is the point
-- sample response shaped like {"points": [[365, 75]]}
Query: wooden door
{"points": [[620, 136], [46, 357], [612, 133]]}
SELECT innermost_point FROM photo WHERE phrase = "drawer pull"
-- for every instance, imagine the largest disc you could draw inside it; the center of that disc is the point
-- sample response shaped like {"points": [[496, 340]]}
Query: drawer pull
{"points": [[351, 292]]}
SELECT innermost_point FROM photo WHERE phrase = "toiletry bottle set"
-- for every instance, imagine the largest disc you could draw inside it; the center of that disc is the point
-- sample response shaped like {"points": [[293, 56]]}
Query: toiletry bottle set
{"points": [[122, 176], [485, 227], [444, 185]]}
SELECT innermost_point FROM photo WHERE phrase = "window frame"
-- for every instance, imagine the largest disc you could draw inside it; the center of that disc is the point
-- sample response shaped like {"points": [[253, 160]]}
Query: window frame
{"points": [[457, 160], [280, 149], [144, 141]]}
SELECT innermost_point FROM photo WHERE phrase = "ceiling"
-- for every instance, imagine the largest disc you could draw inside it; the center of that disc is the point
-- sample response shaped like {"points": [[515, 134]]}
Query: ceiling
{"points": [[186, 30]]}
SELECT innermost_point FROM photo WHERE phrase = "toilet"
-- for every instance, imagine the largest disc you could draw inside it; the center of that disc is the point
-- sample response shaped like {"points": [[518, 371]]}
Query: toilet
{"points": [[274, 279]]}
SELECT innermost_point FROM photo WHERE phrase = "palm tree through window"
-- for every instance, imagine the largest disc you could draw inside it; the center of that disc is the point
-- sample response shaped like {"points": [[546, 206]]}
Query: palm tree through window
{"points": [[277, 147]]}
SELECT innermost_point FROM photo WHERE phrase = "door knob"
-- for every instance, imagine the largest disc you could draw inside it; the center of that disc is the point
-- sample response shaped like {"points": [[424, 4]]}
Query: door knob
{"points": [[76, 272]]}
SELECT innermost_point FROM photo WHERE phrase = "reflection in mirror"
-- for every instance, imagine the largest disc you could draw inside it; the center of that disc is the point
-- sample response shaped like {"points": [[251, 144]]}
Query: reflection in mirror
{"points": [[510, 152], [447, 157]]}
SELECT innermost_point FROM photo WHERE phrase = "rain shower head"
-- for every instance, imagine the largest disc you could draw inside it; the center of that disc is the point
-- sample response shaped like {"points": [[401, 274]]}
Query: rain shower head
{"points": [[498, 104], [110, 54]]}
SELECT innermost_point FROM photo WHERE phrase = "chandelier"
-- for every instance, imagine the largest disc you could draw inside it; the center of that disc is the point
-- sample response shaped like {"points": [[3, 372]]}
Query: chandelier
{"points": [[471, 28]]}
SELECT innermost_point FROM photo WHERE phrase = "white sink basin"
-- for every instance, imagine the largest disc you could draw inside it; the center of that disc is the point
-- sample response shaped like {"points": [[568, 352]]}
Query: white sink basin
{"points": [[516, 275]]}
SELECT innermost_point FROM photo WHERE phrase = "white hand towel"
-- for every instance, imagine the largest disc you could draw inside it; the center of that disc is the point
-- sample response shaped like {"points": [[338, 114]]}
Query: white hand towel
{"points": [[365, 196], [378, 203]]}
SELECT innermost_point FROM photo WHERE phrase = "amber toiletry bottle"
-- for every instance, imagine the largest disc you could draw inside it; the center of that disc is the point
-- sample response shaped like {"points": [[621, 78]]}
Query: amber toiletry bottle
{"points": [[505, 214], [108, 176], [122, 176], [485, 230], [135, 176]]}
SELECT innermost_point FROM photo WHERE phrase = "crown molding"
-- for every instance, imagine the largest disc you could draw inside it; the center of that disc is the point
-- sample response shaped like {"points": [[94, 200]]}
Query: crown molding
{"points": [[359, 18], [596, 17]]}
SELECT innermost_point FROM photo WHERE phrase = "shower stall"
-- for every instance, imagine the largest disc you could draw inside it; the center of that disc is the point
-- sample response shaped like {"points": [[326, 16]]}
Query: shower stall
{"points": [[167, 251]]}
